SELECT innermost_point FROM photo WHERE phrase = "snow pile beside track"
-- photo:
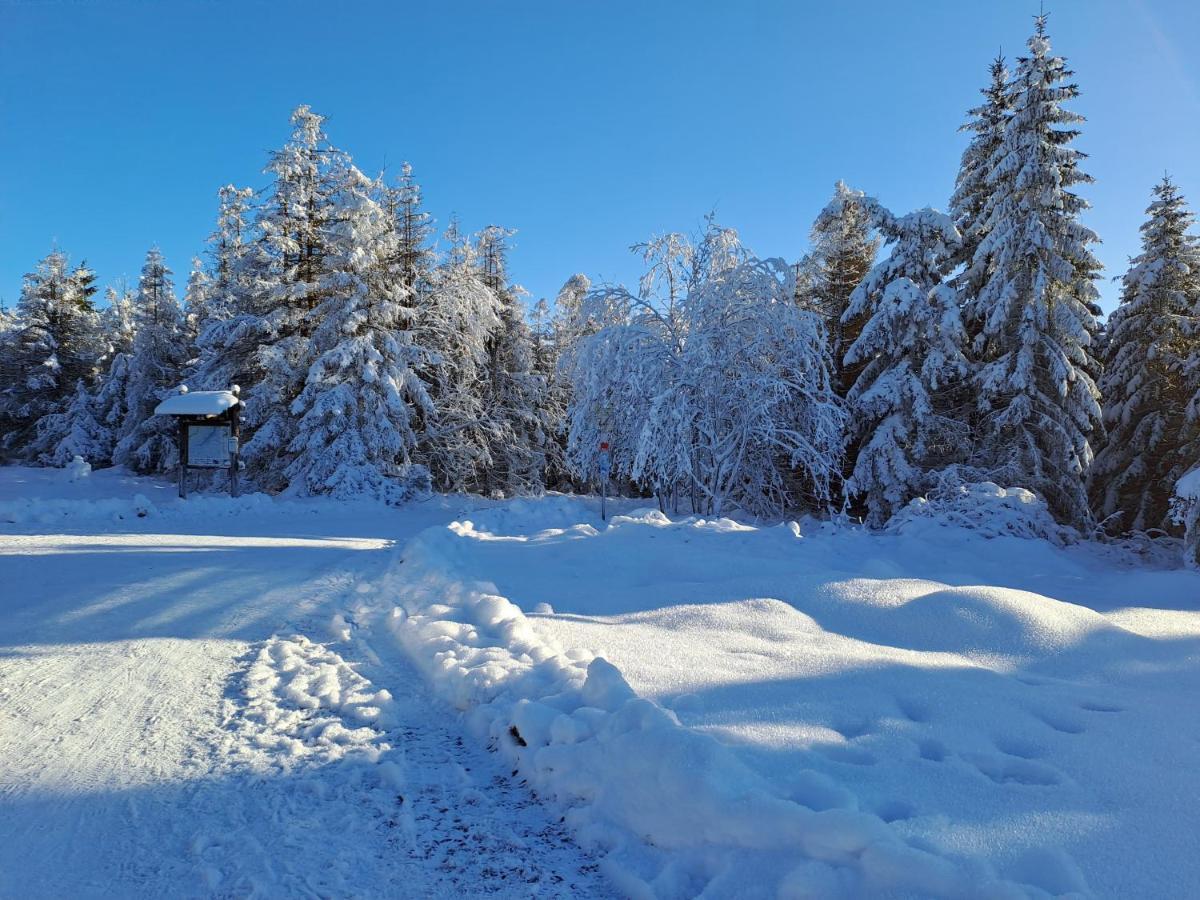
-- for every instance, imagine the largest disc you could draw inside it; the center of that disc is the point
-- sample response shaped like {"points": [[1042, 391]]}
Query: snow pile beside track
{"points": [[676, 812]]}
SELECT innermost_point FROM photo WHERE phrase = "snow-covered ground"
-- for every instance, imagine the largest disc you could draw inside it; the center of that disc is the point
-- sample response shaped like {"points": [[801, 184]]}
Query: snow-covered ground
{"points": [[179, 716], [233, 697]]}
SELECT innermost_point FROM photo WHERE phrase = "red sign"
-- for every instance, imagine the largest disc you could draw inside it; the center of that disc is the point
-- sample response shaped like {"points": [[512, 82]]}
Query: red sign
{"points": [[604, 445]]}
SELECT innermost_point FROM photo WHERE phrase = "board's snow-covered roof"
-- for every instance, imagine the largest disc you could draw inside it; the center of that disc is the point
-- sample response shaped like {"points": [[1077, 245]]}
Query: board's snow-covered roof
{"points": [[197, 403]]}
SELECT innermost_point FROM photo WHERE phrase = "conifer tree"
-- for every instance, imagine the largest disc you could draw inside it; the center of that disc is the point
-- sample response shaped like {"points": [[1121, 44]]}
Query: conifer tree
{"points": [[1038, 403], [1151, 440], [512, 392], [147, 443], [972, 188], [355, 434], [227, 332], [843, 250], [903, 409], [117, 322], [75, 431], [413, 256], [55, 343], [286, 282]]}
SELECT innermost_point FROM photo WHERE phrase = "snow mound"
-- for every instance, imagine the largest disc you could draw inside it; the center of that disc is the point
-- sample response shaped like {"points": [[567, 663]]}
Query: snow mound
{"points": [[304, 702], [985, 508], [676, 812], [77, 469]]}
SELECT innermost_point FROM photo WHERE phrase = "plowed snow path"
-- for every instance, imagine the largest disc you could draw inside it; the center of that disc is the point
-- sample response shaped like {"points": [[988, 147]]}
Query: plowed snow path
{"points": [[134, 760]]}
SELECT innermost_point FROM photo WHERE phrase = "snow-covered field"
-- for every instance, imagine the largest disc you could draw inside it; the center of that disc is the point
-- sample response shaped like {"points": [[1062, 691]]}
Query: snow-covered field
{"points": [[238, 696]]}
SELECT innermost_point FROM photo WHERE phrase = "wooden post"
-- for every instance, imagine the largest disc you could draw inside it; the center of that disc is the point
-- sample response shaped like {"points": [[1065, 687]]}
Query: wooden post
{"points": [[183, 455], [235, 451]]}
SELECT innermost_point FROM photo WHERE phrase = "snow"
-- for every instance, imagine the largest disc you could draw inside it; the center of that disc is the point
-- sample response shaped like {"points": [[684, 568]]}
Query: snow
{"points": [[1188, 486], [176, 722], [936, 713], [257, 697], [197, 403]]}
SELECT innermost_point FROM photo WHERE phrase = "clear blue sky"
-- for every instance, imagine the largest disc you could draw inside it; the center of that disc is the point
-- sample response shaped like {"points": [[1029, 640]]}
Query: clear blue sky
{"points": [[584, 125]]}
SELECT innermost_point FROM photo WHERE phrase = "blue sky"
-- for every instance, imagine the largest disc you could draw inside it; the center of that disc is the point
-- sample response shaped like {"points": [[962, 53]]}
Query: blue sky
{"points": [[586, 126]]}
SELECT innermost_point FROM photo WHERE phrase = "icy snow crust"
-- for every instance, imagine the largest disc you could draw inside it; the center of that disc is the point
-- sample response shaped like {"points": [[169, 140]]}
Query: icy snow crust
{"points": [[930, 713]]}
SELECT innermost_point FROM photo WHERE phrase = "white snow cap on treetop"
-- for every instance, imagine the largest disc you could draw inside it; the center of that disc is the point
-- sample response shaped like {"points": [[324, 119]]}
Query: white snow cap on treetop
{"points": [[196, 403]]}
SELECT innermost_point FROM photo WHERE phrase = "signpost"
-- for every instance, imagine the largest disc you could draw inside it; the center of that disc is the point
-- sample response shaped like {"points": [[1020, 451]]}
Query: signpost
{"points": [[209, 425], [605, 466]]}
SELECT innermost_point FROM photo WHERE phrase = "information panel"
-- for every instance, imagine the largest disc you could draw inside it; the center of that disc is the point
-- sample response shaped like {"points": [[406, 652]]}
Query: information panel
{"points": [[208, 446]]}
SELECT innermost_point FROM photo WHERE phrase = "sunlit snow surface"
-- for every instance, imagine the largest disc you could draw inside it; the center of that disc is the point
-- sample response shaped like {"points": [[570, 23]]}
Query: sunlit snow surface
{"points": [[241, 697], [1026, 715]]}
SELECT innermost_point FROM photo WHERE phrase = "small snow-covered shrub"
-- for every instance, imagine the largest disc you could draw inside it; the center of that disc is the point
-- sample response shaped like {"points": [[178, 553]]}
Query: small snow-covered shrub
{"points": [[985, 508], [1185, 508]]}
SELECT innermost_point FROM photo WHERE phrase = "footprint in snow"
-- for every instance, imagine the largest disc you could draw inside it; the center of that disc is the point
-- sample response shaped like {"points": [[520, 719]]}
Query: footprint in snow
{"points": [[912, 709], [1101, 706], [895, 810], [932, 750], [1060, 720], [1012, 770], [1019, 747]]}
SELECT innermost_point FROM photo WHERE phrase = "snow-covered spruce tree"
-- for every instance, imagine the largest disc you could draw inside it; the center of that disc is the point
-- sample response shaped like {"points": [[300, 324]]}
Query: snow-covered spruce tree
{"points": [[110, 405], [227, 329], [412, 256], [355, 415], [285, 269], [512, 391], [843, 250], [146, 442], [904, 415], [457, 320], [54, 343], [715, 387], [972, 188], [73, 432], [1038, 403], [117, 322], [196, 313], [1151, 441]]}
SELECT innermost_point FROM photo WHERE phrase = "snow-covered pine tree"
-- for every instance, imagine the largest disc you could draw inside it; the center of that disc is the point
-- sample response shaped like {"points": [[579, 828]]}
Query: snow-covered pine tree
{"points": [[228, 331], [355, 415], [458, 318], [55, 343], [75, 431], [117, 322], [110, 405], [1151, 441], [1038, 403], [146, 442], [266, 348], [843, 251], [972, 188], [413, 256], [905, 417], [196, 313], [512, 391]]}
